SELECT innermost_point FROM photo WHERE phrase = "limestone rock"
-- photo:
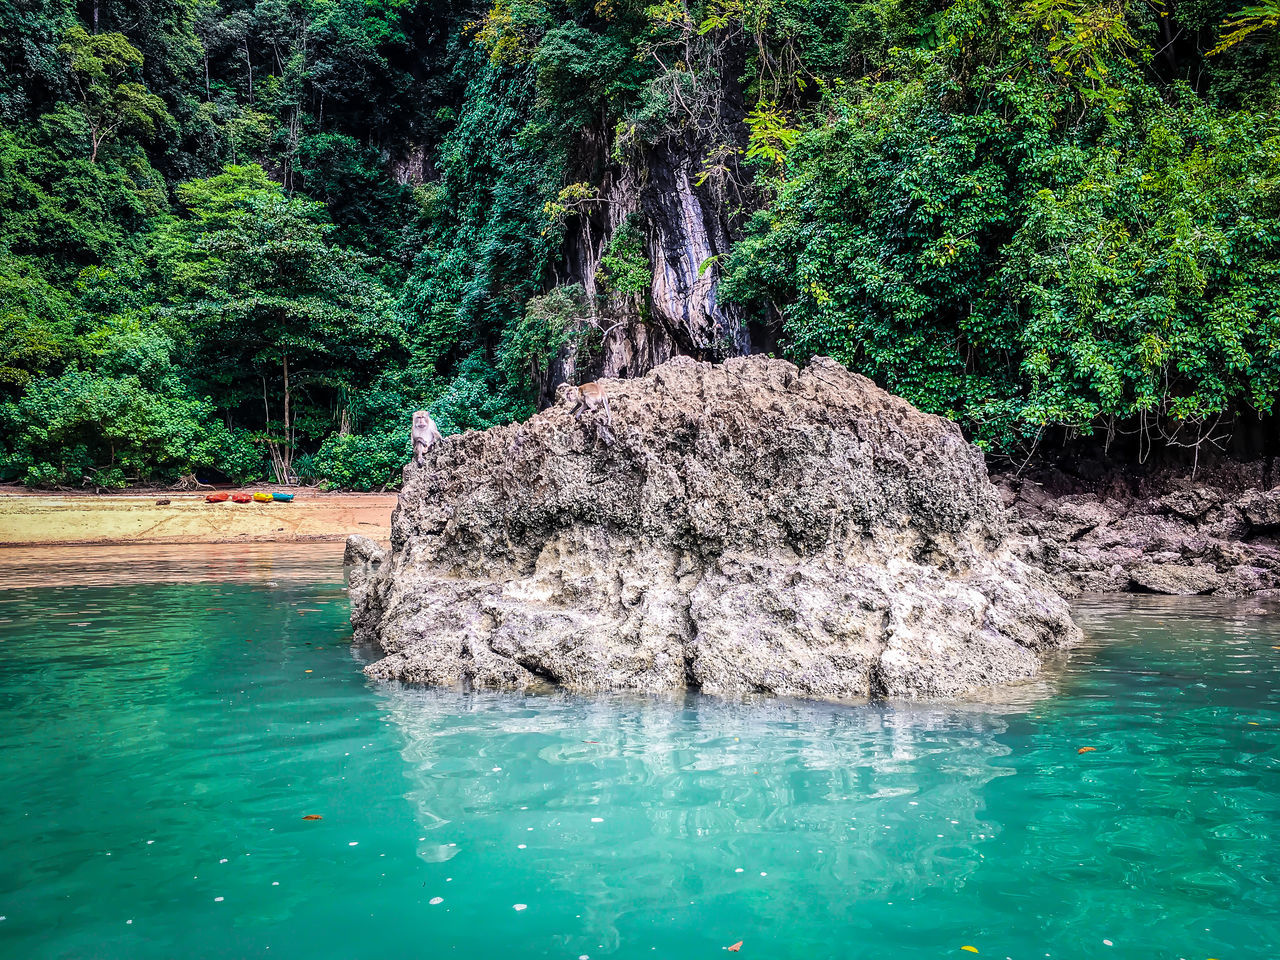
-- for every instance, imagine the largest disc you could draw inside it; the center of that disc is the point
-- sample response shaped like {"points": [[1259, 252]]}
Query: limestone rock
{"points": [[1176, 579], [362, 550], [751, 528], [1190, 504], [1262, 508]]}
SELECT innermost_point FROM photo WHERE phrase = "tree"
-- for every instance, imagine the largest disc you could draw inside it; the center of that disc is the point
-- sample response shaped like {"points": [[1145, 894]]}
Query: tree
{"points": [[101, 65], [252, 284]]}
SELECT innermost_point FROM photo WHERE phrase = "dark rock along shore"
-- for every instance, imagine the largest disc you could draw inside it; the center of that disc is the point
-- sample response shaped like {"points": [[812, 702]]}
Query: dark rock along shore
{"points": [[753, 528], [1186, 539]]}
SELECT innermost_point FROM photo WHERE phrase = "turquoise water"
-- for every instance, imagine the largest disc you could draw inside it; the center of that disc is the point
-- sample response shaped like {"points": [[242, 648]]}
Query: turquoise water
{"points": [[161, 743]]}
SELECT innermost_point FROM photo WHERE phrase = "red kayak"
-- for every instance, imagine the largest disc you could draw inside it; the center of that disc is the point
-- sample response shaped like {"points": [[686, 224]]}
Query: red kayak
{"points": [[241, 498], [217, 498]]}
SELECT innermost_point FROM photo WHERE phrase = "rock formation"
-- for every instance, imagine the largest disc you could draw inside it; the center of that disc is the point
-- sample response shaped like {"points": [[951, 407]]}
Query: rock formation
{"points": [[1191, 539], [751, 528]]}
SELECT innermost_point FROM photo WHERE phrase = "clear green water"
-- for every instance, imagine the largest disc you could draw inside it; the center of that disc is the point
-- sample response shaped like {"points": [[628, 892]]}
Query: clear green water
{"points": [[161, 742]]}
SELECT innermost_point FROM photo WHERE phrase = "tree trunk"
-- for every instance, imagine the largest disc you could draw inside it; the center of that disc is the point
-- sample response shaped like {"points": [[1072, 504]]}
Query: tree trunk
{"points": [[287, 454]]}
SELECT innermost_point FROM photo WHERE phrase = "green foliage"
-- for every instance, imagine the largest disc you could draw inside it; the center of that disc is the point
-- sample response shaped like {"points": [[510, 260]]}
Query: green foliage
{"points": [[550, 322], [1249, 20], [964, 233], [250, 238], [627, 271], [360, 461], [103, 431], [36, 333], [770, 135], [112, 104]]}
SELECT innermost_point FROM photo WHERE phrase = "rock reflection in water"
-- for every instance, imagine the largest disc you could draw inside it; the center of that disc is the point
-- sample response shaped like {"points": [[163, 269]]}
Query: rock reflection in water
{"points": [[627, 794]]}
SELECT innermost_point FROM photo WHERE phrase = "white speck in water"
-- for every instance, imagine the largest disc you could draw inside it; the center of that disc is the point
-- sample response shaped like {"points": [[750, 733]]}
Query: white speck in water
{"points": [[448, 879], [763, 874], [434, 900], [353, 843], [593, 820], [420, 839], [218, 899], [1108, 943], [739, 870], [275, 883], [530, 829], [520, 906], [150, 842], [127, 922], [522, 846], [497, 769], [584, 957], [223, 860]]}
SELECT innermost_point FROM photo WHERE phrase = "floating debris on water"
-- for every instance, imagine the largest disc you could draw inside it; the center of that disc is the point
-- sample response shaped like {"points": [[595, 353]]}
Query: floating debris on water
{"points": [[312, 816], [1086, 750]]}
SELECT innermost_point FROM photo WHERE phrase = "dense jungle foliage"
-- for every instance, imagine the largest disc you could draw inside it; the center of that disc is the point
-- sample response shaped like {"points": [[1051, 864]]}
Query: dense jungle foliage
{"points": [[245, 239]]}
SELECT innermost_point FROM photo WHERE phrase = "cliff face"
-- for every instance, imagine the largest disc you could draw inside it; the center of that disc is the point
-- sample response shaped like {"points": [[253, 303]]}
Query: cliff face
{"points": [[751, 528], [685, 227]]}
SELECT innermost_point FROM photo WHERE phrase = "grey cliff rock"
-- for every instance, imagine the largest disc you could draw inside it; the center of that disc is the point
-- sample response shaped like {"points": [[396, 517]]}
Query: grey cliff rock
{"points": [[752, 528]]}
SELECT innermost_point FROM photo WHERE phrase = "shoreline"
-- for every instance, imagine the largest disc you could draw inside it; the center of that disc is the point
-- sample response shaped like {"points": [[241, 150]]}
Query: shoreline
{"points": [[120, 519]]}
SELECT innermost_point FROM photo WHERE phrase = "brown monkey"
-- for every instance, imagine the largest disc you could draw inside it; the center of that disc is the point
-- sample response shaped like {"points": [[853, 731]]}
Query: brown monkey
{"points": [[425, 435], [590, 397]]}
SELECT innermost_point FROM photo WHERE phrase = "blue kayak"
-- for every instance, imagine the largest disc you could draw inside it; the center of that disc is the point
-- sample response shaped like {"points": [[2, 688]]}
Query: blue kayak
{"points": [[282, 497]]}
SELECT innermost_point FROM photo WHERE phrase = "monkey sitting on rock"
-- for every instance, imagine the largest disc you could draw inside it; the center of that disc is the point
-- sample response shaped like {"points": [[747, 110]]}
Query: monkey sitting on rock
{"points": [[590, 397], [425, 435]]}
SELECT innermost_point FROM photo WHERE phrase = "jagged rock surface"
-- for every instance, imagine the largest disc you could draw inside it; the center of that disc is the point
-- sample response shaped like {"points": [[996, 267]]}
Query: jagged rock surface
{"points": [[1193, 539], [752, 528]]}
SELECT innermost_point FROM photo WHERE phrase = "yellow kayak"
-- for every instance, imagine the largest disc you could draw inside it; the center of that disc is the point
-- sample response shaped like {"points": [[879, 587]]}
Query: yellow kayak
{"points": [[262, 497]]}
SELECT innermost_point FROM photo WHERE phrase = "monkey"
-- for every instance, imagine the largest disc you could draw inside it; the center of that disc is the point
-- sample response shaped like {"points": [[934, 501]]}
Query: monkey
{"points": [[591, 397], [425, 435]]}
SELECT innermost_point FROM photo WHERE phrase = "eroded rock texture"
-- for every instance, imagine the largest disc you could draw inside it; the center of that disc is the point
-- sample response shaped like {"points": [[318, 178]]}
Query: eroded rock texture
{"points": [[1191, 539], [752, 528]]}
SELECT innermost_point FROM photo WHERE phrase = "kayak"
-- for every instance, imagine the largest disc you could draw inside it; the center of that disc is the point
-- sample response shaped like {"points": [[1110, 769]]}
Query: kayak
{"points": [[282, 497], [217, 498], [262, 497], [240, 498]]}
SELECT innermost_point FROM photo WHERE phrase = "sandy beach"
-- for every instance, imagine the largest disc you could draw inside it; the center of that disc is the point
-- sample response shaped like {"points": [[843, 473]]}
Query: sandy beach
{"points": [[28, 519]]}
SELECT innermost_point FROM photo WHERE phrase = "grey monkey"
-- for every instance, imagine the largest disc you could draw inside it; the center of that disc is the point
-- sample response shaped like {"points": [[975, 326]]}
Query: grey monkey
{"points": [[425, 435]]}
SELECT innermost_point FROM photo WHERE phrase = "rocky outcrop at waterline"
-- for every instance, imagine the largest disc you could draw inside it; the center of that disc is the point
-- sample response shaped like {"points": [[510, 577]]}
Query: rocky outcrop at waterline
{"points": [[740, 528], [1187, 539]]}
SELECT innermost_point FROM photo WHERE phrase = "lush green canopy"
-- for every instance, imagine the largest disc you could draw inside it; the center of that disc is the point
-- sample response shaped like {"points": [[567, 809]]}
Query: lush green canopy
{"points": [[245, 238]]}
